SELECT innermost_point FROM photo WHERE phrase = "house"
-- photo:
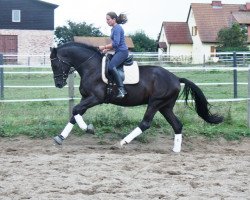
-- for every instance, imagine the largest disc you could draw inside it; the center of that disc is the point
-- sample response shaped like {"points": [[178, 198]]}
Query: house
{"points": [[171, 42], [26, 27], [98, 41], [198, 35]]}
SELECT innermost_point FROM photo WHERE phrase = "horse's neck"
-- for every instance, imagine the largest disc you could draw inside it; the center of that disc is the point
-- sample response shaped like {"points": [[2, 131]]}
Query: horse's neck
{"points": [[85, 61], [89, 67]]}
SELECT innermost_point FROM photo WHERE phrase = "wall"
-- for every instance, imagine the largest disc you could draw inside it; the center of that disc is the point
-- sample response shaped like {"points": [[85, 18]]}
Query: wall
{"points": [[162, 38], [180, 49], [199, 49], [175, 49], [35, 15], [32, 42]]}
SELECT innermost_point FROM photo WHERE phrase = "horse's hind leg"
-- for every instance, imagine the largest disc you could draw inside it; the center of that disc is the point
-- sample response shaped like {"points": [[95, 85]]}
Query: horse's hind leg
{"points": [[144, 125], [169, 115]]}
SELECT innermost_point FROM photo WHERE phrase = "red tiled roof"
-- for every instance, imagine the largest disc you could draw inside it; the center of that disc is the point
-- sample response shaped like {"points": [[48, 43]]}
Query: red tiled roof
{"points": [[242, 17], [177, 32], [210, 20], [98, 41]]}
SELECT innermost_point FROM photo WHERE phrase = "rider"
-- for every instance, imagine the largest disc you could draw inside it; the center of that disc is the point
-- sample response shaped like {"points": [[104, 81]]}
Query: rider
{"points": [[120, 47]]}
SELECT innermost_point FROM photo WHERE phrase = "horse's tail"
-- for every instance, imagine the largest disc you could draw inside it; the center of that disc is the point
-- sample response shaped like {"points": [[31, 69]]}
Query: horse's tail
{"points": [[202, 106]]}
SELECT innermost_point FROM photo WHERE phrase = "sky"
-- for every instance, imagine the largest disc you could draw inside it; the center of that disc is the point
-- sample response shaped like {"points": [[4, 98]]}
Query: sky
{"points": [[143, 15]]}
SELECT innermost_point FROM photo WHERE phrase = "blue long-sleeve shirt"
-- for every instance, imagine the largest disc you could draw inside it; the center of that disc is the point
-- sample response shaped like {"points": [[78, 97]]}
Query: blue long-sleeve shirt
{"points": [[118, 38]]}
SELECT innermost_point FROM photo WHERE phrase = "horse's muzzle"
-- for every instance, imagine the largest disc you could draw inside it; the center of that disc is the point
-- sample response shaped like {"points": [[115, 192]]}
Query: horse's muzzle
{"points": [[60, 84]]}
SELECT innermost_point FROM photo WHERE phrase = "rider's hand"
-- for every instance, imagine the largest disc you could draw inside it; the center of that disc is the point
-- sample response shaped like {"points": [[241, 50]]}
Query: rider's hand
{"points": [[105, 50], [101, 48]]}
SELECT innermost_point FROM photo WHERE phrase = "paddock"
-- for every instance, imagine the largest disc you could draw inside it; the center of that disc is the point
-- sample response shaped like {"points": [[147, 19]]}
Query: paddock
{"points": [[85, 169]]}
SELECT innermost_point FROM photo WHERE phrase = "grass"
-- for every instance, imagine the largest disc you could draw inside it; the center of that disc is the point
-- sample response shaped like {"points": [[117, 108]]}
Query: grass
{"points": [[46, 119]]}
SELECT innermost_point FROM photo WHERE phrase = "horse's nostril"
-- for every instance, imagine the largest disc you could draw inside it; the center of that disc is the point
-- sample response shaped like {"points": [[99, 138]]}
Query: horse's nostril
{"points": [[58, 85]]}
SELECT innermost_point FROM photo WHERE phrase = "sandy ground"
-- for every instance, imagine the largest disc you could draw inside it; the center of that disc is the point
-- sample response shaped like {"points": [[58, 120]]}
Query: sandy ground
{"points": [[85, 169]]}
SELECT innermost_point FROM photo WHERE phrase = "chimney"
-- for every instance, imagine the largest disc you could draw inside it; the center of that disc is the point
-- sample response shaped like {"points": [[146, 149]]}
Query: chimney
{"points": [[216, 4], [248, 6]]}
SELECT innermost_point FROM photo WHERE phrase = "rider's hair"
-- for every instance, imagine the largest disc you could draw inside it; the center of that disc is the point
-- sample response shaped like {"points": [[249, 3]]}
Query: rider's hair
{"points": [[121, 19]]}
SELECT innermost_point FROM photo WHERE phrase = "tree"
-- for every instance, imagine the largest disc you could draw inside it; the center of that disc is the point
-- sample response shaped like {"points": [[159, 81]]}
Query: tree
{"points": [[143, 43], [66, 33], [233, 38]]}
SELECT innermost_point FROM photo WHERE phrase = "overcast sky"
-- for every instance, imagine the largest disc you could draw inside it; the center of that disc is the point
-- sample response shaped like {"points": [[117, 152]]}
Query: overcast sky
{"points": [[145, 15]]}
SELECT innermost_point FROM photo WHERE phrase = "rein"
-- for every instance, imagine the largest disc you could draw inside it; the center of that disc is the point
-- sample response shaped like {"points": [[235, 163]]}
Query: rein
{"points": [[69, 65]]}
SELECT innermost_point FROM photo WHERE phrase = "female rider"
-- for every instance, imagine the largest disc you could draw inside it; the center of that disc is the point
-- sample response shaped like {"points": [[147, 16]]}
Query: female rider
{"points": [[119, 46]]}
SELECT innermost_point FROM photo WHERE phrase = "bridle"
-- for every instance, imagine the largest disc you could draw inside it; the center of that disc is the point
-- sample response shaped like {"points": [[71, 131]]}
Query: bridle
{"points": [[64, 75]]}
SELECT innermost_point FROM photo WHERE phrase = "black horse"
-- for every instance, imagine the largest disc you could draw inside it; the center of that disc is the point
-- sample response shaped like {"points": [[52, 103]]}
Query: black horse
{"points": [[157, 87]]}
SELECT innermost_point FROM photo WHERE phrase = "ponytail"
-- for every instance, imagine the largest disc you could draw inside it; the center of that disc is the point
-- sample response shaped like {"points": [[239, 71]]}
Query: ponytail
{"points": [[121, 19]]}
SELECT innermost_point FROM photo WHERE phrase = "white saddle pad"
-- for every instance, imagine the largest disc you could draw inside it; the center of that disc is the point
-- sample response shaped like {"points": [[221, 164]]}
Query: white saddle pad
{"points": [[131, 73]]}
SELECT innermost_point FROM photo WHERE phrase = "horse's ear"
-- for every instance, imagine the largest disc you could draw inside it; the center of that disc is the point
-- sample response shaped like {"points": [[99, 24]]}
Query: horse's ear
{"points": [[53, 51]]}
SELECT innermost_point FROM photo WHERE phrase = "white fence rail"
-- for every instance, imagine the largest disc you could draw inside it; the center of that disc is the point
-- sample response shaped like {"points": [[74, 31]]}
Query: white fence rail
{"points": [[169, 68], [222, 57]]}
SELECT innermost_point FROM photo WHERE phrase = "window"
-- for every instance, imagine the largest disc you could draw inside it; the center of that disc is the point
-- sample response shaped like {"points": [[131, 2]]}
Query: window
{"points": [[194, 30], [213, 51], [16, 16]]}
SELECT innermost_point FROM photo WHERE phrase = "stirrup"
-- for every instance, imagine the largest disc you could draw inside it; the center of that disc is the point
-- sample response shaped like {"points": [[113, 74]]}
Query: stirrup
{"points": [[121, 93]]}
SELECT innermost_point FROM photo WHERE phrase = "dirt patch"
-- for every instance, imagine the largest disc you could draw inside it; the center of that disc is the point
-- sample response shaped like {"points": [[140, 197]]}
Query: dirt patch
{"points": [[85, 169]]}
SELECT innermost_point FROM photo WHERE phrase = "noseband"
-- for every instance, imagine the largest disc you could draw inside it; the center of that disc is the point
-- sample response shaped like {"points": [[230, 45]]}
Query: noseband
{"points": [[64, 75]]}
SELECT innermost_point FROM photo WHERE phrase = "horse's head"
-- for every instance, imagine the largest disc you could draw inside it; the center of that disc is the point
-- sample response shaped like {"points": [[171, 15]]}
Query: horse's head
{"points": [[72, 56], [60, 69]]}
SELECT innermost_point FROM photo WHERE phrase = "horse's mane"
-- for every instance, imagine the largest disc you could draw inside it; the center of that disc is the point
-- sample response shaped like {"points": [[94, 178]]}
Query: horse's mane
{"points": [[77, 44]]}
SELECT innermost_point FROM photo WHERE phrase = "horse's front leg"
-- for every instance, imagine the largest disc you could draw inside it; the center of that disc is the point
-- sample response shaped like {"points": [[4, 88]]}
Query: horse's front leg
{"points": [[78, 111]]}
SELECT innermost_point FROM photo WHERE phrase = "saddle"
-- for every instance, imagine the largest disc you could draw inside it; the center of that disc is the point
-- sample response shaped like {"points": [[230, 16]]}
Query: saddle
{"points": [[128, 70]]}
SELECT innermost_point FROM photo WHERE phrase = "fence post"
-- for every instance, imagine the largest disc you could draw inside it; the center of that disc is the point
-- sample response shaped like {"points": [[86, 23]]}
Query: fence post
{"points": [[204, 61], [248, 101], [44, 58], [1, 78], [71, 93], [235, 75], [244, 60], [29, 67]]}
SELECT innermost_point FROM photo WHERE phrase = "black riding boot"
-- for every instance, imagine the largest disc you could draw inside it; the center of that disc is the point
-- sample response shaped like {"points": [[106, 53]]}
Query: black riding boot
{"points": [[118, 80]]}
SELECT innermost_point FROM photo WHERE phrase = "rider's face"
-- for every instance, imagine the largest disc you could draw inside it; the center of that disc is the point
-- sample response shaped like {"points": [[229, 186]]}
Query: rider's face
{"points": [[110, 21]]}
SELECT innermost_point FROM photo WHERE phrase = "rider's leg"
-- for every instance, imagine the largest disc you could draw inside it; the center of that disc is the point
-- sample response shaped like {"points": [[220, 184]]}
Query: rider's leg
{"points": [[116, 61], [118, 80]]}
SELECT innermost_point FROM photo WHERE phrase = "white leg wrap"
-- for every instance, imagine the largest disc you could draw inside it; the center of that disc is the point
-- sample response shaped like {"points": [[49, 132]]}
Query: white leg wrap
{"points": [[80, 122], [177, 143], [137, 131], [67, 130]]}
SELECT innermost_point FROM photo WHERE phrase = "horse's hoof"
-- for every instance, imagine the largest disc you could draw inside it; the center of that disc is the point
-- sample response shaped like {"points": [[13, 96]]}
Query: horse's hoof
{"points": [[58, 140], [116, 146], [90, 129]]}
